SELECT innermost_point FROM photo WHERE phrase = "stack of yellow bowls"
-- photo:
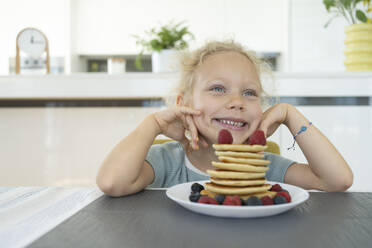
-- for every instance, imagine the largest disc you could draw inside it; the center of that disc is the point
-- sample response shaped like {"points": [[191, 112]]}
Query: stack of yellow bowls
{"points": [[358, 47]]}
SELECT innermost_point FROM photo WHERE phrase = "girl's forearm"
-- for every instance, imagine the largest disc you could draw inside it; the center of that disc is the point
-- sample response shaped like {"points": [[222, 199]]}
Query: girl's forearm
{"points": [[323, 158], [124, 163]]}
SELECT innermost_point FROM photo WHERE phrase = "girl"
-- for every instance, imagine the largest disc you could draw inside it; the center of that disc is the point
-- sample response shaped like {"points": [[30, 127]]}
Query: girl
{"points": [[220, 88]]}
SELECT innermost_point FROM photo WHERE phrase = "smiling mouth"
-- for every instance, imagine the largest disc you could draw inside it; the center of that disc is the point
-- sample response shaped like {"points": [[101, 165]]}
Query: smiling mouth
{"points": [[237, 124]]}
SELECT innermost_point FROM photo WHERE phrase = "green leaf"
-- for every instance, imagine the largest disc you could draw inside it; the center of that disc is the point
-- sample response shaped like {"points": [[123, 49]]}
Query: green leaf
{"points": [[361, 16], [346, 3], [329, 3], [138, 62], [170, 36]]}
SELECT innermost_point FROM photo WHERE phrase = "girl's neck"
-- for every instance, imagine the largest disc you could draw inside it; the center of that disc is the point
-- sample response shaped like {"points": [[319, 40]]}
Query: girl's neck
{"points": [[202, 158]]}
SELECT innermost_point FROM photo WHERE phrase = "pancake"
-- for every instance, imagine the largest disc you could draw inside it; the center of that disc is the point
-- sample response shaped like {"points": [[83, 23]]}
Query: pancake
{"points": [[238, 182], [239, 167], [239, 148], [271, 194], [244, 160], [235, 175], [240, 154], [229, 190]]}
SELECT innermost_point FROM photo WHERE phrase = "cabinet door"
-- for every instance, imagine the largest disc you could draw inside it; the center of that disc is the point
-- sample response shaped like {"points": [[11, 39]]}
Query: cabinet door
{"points": [[349, 128]]}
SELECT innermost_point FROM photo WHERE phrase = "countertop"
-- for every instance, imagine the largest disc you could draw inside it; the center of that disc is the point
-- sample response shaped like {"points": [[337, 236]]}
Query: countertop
{"points": [[150, 219], [151, 85], [84, 217]]}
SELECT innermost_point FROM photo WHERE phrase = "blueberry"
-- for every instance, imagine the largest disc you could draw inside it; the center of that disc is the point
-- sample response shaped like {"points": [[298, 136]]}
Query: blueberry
{"points": [[253, 201], [220, 198], [196, 187], [284, 190], [279, 199], [194, 196]]}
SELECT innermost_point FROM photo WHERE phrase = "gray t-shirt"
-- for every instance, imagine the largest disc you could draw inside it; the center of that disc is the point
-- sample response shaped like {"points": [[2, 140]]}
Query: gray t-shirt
{"points": [[168, 162]]}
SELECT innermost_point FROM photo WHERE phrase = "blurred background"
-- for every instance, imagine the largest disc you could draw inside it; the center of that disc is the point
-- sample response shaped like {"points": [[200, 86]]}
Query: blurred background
{"points": [[56, 128], [82, 31]]}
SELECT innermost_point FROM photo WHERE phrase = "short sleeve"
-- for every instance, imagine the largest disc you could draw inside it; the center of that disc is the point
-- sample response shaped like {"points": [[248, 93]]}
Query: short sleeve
{"points": [[166, 161], [154, 157], [278, 167]]}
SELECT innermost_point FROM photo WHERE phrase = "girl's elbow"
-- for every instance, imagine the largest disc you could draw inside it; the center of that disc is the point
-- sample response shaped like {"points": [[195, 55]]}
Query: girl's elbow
{"points": [[348, 182], [343, 184], [108, 187], [105, 186]]}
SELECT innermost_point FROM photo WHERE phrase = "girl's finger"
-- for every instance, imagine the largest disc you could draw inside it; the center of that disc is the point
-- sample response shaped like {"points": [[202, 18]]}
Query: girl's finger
{"points": [[194, 131], [263, 127], [203, 141], [187, 110], [266, 122]]}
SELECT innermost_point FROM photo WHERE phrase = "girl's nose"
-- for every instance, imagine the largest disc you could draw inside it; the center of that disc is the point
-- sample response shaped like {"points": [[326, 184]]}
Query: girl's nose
{"points": [[236, 103]]}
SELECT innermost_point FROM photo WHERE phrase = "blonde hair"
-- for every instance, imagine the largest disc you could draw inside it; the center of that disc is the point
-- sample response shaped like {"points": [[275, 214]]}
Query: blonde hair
{"points": [[190, 61]]}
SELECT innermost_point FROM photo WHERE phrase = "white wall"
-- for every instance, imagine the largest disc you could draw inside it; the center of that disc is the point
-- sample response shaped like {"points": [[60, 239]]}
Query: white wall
{"points": [[48, 16], [311, 46], [105, 27]]}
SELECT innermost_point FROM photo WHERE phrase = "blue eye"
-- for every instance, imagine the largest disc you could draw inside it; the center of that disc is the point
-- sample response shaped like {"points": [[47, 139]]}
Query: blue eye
{"points": [[218, 89], [249, 93]]}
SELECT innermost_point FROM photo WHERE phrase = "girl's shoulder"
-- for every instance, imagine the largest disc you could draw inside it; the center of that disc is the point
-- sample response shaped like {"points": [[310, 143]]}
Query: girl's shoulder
{"points": [[170, 148]]}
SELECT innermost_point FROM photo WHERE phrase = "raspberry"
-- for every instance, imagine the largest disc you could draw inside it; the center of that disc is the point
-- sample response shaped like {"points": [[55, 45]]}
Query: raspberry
{"points": [[207, 200], [196, 187], [229, 200], [286, 195], [257, 138], [237, 200], [266, 200], [276, 188], [225, 137], [278, 199]]}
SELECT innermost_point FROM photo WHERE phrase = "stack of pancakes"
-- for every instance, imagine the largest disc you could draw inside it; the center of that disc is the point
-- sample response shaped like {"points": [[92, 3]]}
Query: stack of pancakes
{"points": [[241, 170]]}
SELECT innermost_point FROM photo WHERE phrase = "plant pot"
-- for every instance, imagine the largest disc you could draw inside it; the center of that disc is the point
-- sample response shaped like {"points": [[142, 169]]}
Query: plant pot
{"points": [[166, 60], [358, 49]]}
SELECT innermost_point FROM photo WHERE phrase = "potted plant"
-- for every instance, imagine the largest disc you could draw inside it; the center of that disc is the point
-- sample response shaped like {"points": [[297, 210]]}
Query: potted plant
{"points": [[164, 44], [358, 14]]}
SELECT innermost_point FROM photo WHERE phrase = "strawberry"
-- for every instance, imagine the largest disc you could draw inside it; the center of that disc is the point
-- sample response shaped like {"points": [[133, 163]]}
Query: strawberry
{"points": [[257, 138], [225, 137], [285, 194]]}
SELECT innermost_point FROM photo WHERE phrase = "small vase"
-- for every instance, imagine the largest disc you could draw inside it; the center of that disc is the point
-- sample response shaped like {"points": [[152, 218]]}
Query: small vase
{"points": [[166, 60], [358, 49]]}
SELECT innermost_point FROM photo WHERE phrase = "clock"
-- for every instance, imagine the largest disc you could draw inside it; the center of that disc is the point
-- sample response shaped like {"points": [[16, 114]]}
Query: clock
{"points": [[33, 43]]}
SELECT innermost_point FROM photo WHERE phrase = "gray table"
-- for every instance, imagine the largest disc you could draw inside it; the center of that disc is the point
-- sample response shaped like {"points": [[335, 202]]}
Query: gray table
{"points": [[150, 219]]}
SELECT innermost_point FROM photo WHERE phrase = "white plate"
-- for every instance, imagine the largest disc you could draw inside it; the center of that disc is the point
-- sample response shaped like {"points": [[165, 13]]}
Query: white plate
{"points": [[180, 193]]}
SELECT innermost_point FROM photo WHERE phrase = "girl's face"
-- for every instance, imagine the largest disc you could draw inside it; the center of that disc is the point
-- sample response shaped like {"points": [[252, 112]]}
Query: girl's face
{"points": [[227, 89]]}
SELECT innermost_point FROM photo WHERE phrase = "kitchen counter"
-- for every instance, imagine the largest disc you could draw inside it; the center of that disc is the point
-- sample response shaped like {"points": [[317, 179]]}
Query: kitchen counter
{"points": [[150, 85]]}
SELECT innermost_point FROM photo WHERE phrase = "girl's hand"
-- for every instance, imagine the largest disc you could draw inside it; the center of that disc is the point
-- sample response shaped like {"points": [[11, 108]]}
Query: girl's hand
{"points": [[273, 118], [174, 121]]}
